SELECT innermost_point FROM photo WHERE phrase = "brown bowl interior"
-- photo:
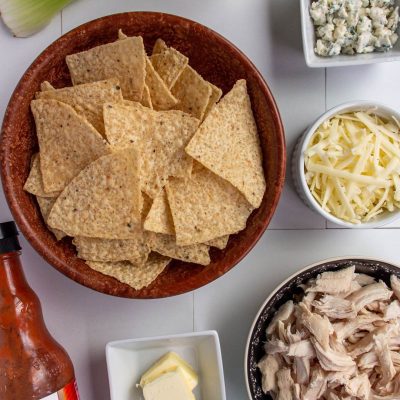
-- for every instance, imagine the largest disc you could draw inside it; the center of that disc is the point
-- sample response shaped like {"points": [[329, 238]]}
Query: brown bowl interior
{"points": [[216, 60], [290, 290]]}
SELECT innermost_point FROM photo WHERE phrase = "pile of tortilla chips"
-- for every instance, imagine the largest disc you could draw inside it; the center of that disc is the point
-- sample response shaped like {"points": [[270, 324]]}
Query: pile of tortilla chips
{"points": [[141, 162]]}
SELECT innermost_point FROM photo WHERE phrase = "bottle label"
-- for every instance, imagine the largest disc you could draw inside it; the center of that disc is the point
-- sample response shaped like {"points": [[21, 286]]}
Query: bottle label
{"points": [[69, 392]]}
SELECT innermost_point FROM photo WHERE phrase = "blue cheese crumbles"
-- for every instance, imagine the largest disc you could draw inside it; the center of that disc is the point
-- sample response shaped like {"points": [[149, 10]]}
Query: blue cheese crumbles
{"points": [[354, 26]]}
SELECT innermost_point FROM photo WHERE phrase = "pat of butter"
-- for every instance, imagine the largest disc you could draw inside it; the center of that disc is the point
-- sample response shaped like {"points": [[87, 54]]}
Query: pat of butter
{"points": [[168, 363], [168, 386]]}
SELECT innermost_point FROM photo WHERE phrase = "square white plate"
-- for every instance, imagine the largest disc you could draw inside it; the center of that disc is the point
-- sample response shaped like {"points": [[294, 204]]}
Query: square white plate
{"points": [[128, 359], [315, 61]]}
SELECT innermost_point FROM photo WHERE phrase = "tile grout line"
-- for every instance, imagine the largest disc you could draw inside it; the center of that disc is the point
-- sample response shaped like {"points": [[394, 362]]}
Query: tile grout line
{"points": [[193, 308]]}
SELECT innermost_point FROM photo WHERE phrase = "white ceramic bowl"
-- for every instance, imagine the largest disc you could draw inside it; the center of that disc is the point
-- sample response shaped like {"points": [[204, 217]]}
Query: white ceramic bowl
{"points": [[315, 61], [128, 359], [297, 165]]}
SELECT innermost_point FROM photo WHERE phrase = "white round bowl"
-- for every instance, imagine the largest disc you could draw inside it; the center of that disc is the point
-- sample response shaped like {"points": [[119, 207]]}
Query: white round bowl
{"points": [[297, 164]]}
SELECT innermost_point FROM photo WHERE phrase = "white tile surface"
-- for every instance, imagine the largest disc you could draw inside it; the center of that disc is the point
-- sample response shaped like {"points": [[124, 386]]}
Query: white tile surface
{"points": [[84, 320]]}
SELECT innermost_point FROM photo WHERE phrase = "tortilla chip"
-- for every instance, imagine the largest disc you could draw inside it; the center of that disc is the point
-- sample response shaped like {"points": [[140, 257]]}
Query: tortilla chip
{"points": [[87, 99], [147, 203], [133, 275], [193, 93], [216, 94], [169, 64], [159, 218], [67, 143], [103, 201], [227, 143], [45, 206], [166, 246], [219, 243], [44, 86], [160, 138], [159, 46], [123, 59], [161, 97], [34, 183], [146, 99], [121, 35], [205, 207], [94, 249]]}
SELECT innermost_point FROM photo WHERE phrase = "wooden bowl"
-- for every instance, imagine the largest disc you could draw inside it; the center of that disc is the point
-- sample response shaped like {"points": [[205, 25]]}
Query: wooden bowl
{"points": [[218, 61], [290, 290]]}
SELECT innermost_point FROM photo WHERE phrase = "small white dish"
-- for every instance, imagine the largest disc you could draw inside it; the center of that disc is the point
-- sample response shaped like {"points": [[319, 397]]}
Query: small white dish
{"points": [[128, 359], [315, 61], [297, 164]]}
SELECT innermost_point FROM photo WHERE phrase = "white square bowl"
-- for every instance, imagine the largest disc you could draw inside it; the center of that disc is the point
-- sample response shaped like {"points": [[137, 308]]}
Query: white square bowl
{"points": [[315, 61], [128, 359]]}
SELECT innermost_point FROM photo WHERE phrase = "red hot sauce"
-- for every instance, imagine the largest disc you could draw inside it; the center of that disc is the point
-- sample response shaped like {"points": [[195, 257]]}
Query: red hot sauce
{"points": [[32, 364]]}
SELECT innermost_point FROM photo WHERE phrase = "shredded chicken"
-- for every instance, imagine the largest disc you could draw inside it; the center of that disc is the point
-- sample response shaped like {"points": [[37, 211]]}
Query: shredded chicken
{"points": [[395, 284], [333, 282], [285, 384], [368, 294], [269, 366], [302, 369], [335, 307], [318, 326], [341, 341], [331, 360], [385, 358], [317, 386], [303, 348], [359, 387], [283, 314], [345, 329]]}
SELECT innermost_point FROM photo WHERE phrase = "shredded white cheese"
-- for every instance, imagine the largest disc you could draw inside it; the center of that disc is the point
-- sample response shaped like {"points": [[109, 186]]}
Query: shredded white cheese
{"points": [[352, 166]]}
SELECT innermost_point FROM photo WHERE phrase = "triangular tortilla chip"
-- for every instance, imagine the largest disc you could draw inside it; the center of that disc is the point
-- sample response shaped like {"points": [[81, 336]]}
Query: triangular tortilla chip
{"points": [[205, 207], [67, 142], [161, 97], [123, 59], [44, 86], [87, 99], [219, 243], [103, 201], [34, 183], [135, 276], [159, 218], [169, 64], [216, 94], [147, 203], [227, 143], [108, 250], [45, 206], [146, 99], [193, 93], [166, 246], [160, 138], [159, 46]]}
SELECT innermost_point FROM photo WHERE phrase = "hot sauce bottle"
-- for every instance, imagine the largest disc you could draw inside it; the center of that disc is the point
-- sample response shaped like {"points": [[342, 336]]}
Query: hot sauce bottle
{"points": [[32, 364]]}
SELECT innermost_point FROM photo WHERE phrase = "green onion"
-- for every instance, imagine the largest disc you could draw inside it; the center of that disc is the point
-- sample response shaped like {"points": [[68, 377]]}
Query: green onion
{"points": [[26, 17]]}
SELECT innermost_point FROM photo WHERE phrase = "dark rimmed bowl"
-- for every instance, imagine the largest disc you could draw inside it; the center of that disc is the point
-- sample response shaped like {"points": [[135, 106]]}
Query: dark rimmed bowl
{"points": [[288, 290], [218, 61]]}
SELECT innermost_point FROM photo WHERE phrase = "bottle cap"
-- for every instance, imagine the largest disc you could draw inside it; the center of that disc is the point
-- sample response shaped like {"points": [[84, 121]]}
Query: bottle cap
{"points": [[9, 237]]}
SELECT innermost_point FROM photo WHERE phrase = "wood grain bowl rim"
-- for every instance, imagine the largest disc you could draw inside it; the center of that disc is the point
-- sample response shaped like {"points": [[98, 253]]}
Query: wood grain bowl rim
{"points": [[284, 291], [30, 232]]}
